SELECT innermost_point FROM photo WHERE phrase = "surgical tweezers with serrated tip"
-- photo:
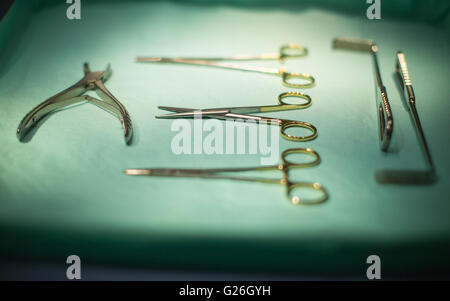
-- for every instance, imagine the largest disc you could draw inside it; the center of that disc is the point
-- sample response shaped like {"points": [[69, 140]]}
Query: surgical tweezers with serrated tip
{"points": [[73, 95], [401, 69], [385, 119]]}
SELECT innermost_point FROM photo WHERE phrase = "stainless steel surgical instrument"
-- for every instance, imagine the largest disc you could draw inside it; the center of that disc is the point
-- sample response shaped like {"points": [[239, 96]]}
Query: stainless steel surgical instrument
{"points": [[320, 194], [286, 51], [406, 85], [385, 119], [239, 113], [73, 95]]}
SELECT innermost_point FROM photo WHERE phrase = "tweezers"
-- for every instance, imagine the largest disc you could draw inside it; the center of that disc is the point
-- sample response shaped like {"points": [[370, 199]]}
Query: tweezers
{"points": [[409, 177], [385, 119], [74, 95], [401, 69]]}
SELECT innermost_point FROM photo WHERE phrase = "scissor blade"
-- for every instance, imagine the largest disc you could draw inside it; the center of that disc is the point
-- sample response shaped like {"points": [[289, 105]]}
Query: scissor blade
{"points": [[256, 109], [175, 109], [263, 109], [237, 110]]}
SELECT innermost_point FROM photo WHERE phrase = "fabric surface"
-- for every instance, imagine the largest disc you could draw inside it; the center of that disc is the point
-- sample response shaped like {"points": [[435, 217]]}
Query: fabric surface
{"points": [[64, 190]]}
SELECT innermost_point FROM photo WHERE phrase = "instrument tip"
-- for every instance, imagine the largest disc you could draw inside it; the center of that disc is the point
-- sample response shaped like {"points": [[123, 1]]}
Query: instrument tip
{"points": [[148, 59], [133, 172]]}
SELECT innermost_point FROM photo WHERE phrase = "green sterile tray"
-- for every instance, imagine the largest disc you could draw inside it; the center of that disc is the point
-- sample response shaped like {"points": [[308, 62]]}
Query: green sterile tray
{"points": [[64, 191]]}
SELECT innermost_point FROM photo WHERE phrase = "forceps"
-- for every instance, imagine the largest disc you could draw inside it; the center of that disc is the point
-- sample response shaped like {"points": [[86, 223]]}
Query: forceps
{"points": [[286, 51], [406, 85], [239, 113], [222, 173], [385, 120], [72, 95]]}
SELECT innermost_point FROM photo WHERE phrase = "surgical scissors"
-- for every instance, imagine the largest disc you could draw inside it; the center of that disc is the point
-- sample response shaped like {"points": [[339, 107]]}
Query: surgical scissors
{"points": [[221, 173], [239, 113], [73, 95], [286, 51]]}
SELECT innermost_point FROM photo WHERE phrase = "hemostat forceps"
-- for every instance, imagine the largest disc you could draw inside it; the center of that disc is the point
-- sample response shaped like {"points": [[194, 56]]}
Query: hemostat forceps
{"points": [[238, 113], [385, 120], [286, 51], [223, 173], [72, 95]]}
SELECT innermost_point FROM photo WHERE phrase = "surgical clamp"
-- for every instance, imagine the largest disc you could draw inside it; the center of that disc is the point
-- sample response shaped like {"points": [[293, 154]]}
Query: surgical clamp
{"points": [[286, 51], [320, 194]]}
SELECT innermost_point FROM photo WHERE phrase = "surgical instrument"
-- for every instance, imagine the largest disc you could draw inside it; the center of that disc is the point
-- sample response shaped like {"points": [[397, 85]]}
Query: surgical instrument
{"points": [[286, 51], [223, 173], [385, 119], [406, 85], [73, 95], [239, 113]]}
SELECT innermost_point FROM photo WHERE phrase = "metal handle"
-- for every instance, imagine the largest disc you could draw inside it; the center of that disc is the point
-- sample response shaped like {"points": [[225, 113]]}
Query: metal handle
{"points": [[354, 44], [295, 95], [287, 78], [296, 200], [292, 186], [285, 124], [308, 151], [63, 99], [292, 51], [385, 120], [405, 83]]}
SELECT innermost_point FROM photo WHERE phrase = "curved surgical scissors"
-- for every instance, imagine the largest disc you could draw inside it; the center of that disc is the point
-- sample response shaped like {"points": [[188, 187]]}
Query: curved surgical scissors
{"points": [[221, 173], [239, 113], [286, 51], [73, 95]]}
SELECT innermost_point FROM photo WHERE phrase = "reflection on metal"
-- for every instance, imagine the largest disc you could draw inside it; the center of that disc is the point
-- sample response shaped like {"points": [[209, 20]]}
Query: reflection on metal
{"points": [[409, 177], [385, 120], [285, 167], [239, 113], [405, 84], [287, 51], [92, 81]]}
